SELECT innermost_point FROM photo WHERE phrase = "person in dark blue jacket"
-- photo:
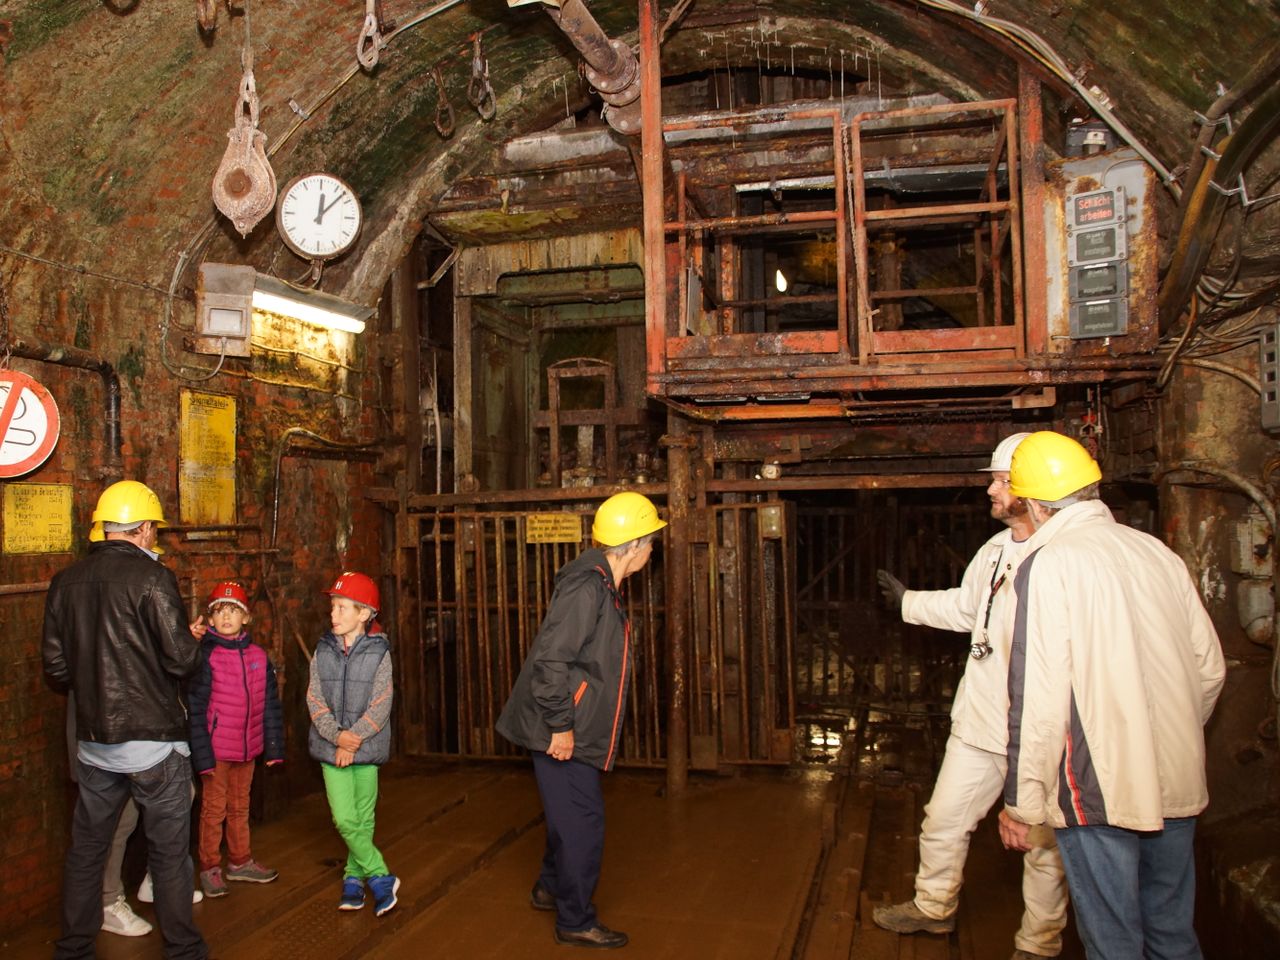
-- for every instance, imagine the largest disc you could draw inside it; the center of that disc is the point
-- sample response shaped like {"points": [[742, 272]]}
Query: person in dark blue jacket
{"points": [[235, 718], [567, 709]]}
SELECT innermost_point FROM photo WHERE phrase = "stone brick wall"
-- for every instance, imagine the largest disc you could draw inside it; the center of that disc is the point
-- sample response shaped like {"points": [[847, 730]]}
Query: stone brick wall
{"points": [[324, 526]]}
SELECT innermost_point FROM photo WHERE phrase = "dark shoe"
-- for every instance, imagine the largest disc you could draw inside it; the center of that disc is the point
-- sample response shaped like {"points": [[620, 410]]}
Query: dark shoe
{"points": [[352, 894], [540, 898], [908, 918], [384, 893], [597, 936]]}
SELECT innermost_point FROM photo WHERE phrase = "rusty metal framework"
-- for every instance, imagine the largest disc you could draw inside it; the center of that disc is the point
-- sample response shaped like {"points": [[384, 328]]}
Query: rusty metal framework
{"points": [[742, 637], [482, 590], [920, 174]]}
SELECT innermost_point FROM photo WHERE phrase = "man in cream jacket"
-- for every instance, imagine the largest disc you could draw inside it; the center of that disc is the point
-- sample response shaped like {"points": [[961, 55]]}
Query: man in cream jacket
{"points": [[973, 767], [1114, 669]]}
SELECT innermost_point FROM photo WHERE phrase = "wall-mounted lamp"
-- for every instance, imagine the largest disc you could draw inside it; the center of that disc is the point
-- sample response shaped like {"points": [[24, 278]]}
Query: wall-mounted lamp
{"points": [[227, 295], [780, 281]]}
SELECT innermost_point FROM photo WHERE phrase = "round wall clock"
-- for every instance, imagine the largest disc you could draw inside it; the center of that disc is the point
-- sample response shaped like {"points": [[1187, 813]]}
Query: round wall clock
{"points": [[318, 216]]}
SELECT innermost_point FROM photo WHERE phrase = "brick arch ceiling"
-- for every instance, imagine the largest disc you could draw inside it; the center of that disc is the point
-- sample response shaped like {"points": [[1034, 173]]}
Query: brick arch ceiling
{"points": [[115, 112]]}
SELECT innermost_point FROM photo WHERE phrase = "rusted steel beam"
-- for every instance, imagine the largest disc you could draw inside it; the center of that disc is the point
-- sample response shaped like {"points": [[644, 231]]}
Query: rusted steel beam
{"points": [[677, 567], [1035, 265], [534, 495], [718, 224], [869, 481], [651, 145]]}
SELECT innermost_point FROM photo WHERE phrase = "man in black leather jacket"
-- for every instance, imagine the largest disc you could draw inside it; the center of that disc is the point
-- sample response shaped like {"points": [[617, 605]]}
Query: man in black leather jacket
{"points": [[116, 634]]}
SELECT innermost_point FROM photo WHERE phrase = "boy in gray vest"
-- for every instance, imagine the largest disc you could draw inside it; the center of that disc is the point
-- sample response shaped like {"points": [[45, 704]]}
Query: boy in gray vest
{"points": [[349, 697]]}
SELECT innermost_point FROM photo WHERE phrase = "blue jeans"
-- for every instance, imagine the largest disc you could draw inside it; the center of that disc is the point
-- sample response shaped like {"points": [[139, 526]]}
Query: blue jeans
{"points": [[574, 807], [163, 794], [1133, 892]]}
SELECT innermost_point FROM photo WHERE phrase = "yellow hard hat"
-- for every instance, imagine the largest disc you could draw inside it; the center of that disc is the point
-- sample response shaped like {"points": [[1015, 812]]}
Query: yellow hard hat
{"points": [[1048, 466], [624, 517], [125, 502]]}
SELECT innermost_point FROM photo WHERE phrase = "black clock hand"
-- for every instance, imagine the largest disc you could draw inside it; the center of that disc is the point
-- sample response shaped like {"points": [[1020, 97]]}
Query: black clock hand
{"points": [[324, 209], [320, 209]]}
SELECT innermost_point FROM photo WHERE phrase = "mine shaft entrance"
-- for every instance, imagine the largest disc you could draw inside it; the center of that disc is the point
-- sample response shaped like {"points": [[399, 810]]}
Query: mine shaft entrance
{"points": [[788, 636]]}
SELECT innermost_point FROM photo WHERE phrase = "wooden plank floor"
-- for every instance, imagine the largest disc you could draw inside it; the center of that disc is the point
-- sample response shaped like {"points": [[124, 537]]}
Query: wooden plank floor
{"points": [[724, 872]]}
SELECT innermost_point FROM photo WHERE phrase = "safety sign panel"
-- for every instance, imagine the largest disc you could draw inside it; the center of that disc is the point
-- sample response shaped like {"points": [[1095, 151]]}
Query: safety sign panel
{"points": [[29, 424]]}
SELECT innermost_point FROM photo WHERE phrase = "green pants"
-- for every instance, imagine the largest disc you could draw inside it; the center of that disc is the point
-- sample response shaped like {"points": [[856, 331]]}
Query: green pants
{"points": [[353, 795]]}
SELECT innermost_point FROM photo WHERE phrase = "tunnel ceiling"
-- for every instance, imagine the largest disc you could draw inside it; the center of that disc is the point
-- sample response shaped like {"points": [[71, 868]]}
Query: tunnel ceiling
{"points": [[116, 113]]}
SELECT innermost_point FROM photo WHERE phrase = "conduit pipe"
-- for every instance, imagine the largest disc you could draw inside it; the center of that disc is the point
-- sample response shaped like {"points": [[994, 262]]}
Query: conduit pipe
{"points": [[31, 349], [1256, 494], [612, 69], [1220, 176]]}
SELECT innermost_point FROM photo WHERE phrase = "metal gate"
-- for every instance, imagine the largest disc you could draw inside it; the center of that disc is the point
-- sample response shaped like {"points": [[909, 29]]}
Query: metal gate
{"points": [[742, 633], [474, 591]]}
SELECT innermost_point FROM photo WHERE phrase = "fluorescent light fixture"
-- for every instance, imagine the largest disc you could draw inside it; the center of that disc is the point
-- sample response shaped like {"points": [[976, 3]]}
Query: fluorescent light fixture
{"points": [[780, 281], [227, 294], [309, 306]]}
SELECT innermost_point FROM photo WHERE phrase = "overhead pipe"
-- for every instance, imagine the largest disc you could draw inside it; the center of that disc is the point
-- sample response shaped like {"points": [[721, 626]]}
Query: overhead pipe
{"points": [[1267, 66], [30, 349], [612, 69], [1218, 181]]}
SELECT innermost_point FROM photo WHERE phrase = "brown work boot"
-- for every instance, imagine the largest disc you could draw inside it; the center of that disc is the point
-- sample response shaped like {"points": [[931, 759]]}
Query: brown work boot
{"points": [[908, 918]]}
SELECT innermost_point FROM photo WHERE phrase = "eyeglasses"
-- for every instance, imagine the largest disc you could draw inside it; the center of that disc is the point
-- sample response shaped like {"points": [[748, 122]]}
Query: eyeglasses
{"points": [[999, 483]]}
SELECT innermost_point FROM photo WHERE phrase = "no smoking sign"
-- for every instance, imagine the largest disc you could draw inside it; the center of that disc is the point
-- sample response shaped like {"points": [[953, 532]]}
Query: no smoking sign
{"points": [[29, 424]]}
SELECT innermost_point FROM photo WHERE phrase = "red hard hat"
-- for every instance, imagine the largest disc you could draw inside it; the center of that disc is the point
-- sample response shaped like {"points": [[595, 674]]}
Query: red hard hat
{"points": [[357, 587], [228, 591]]}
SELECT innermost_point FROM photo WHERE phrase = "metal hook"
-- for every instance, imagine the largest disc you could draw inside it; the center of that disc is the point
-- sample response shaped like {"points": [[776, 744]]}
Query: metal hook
{"points": [[479, 90], [369, 43], [444, 109]]}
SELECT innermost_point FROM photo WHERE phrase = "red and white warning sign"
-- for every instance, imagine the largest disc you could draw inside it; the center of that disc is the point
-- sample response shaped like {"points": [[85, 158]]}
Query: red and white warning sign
{"points": [[29, 424]]}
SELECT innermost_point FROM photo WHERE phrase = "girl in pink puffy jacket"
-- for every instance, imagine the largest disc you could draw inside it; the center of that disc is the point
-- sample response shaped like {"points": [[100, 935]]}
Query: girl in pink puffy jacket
{"points": [[235, 717]]}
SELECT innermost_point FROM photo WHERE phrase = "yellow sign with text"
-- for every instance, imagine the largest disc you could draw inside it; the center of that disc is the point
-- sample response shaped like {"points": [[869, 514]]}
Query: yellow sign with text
{"points": [[207, 459], [552, 528], [37, 517]]}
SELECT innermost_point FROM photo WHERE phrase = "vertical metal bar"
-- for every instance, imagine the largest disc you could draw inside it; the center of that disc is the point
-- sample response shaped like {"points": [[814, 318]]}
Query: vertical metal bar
{"points": [[1015, 227], [657, 328], [842, 234], [464, 398], [787, 545], [680, 479], [767, 633], [484, 635], [684, 308], [742, 635], [1031, 241], [553, 418], [862, 276], [978, 268]]}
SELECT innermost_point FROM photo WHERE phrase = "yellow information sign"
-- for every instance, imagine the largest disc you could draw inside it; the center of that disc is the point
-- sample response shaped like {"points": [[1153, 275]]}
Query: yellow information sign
{"points": [[37, 518], [552, 528], [207, 459]]}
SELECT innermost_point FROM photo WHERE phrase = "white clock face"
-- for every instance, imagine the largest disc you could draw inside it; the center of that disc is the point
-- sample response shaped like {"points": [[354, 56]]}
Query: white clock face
{"points": [[318, 216]]}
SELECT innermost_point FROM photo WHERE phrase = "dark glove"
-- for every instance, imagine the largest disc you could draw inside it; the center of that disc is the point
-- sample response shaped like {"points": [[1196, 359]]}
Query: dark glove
{"points": [[891, 587]]}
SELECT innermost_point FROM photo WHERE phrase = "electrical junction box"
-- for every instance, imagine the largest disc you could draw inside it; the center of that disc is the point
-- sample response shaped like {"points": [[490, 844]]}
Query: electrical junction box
{"points": [[1269, 375], [1251, 546], [1101, 256], [1097, 274], [224, 309]]}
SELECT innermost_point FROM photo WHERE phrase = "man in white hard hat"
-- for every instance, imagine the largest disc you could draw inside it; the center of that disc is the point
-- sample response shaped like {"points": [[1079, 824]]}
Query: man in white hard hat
{"points": [[1114, 670], [973, 766]]}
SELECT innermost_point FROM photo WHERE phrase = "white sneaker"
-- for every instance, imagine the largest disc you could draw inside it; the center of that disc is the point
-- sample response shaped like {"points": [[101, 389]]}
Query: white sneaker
{"points": [[147, 893], [120, 918]]}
